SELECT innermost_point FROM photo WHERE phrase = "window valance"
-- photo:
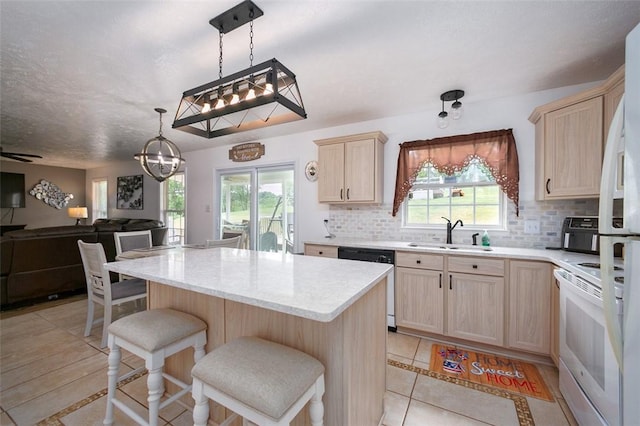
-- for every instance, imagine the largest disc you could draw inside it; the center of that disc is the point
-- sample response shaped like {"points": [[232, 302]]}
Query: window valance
{"points": [[449, 155]]}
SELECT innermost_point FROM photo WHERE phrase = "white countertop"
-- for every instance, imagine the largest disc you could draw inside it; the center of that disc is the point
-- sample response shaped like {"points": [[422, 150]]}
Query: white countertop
{"points": [[561, 258], [309, 287]]}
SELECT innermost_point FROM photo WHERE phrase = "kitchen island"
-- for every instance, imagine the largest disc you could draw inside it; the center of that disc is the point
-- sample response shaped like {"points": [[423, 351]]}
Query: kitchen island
{"points": [[334, 310]]}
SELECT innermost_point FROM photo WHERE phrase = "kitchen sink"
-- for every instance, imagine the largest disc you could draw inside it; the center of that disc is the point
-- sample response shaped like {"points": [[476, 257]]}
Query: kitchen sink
{"points": [[449, 246]]}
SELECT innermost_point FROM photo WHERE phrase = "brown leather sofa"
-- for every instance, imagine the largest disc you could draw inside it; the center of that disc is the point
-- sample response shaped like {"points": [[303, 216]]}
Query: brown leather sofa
{"points": [[44, 263]]}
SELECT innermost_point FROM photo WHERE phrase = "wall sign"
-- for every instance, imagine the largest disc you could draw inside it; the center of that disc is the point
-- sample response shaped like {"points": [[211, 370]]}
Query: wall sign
{"points": [[246, 152]]}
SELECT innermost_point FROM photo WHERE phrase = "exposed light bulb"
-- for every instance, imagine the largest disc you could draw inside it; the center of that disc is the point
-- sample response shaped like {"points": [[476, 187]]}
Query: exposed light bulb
{"points": [[206, 107], [235, 98], [268, 87], [456, 110], [442, 120], [251, 94], [219, 104]]}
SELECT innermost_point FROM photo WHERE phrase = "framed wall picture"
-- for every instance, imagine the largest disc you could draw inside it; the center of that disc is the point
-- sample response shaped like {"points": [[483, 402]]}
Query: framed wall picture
{"points": [[129, 193]]}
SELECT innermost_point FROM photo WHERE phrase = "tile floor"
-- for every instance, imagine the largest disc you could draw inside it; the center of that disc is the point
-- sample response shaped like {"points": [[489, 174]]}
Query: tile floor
{"points": [[47, 366]]}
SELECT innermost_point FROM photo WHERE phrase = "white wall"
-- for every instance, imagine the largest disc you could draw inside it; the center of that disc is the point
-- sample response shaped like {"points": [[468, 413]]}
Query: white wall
{"points": [[511, 112], [201, 166]]}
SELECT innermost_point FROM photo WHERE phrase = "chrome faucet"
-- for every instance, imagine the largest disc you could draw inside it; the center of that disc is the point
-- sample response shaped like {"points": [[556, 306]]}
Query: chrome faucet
{"points": [[450, 228]]}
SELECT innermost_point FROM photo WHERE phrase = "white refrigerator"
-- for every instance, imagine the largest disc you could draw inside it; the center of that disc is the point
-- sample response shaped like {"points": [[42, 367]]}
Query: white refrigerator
{"points": [[621, 177]]}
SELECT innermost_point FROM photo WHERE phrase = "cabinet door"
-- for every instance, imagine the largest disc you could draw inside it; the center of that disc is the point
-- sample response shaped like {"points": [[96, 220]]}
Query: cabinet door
{"points": [[573, 150], [611, 101], [529, 306], [475, 308], [419, 299], [331, 173], [359, 176]]}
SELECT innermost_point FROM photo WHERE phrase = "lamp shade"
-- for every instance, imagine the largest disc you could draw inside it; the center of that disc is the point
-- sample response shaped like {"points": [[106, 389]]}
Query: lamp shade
{"points": [[78, 213]]}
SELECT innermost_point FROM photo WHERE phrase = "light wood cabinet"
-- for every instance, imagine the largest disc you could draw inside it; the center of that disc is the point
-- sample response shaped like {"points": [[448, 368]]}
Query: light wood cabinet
{"points": [[351, 169], [530, 306], [470, 288], [320, 250], [475, 302], [612, 96], [570, 137], [419, 294]]}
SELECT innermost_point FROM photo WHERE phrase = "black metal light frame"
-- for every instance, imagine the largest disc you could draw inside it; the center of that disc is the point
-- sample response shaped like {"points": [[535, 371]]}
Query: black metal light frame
{"points": [[277, 96], [283, 105]]}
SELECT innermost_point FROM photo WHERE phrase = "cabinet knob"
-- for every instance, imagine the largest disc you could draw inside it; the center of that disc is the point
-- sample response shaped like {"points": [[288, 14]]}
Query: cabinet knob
{"points": [[418, 261], [474, 266], [320, 252]]}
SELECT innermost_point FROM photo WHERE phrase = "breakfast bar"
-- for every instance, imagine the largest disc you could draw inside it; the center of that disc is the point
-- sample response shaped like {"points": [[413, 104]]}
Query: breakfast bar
{"points": [[334, 310]]}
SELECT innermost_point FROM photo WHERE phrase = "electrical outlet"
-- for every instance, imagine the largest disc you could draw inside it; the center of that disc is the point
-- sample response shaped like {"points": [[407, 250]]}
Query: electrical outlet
{"points": [[531, 226]]}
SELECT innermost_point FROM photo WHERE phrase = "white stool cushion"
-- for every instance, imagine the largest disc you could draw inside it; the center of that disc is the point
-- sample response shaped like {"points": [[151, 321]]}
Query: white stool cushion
{"points": [[264, 375], [156, 328]]}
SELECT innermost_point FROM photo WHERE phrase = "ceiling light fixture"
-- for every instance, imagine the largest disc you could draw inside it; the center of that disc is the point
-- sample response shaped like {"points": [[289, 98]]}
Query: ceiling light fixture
{"points": [[259, 96], [160, 157], [456, 107]]}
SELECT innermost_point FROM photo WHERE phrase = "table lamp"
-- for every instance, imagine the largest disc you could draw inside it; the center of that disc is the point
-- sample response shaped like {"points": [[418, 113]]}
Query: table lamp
{"points": [[78, 213]]}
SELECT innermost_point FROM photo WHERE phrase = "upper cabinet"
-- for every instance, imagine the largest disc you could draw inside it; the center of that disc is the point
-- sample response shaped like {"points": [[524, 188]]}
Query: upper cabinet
{"points": [[350, 168], [570, 138]]}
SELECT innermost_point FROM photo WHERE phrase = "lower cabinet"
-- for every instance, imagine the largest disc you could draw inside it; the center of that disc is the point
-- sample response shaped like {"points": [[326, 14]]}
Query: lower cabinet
{"points": [[530, 306], [500, 302], [475, 308], [320, 250], [422, 285]]}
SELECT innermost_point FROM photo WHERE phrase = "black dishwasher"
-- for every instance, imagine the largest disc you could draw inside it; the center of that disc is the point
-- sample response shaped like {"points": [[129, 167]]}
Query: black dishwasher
{"points": [[376, 256]]}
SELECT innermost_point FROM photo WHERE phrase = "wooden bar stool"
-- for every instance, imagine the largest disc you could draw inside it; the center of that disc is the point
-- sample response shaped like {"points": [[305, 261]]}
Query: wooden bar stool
{"points": [[263, 382], [153, 336]]}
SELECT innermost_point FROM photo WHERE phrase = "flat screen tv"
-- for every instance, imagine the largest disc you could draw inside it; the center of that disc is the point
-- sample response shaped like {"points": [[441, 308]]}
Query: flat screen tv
{"points": [[12, 194]]}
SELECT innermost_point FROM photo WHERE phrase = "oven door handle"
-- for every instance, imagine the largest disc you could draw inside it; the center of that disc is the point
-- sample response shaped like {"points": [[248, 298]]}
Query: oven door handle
{"points": [[608, 295]]}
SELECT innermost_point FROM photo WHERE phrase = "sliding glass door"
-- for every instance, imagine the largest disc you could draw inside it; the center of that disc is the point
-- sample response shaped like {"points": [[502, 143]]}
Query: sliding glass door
{"points": [[258, 203]]}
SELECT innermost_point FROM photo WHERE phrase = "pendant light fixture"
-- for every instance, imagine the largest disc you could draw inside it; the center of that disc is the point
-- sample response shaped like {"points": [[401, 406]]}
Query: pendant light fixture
{"points": [[456, 107], [259, 96], [160, 158]]}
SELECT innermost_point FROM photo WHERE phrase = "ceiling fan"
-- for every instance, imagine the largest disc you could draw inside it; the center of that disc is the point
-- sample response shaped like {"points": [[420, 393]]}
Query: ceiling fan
{"points": [[18, 156]]}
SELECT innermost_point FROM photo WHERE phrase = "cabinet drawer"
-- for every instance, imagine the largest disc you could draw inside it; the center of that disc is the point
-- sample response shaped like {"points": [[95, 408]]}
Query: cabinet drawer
{"points": [[419, 260], [476, 265], [322, 251]]}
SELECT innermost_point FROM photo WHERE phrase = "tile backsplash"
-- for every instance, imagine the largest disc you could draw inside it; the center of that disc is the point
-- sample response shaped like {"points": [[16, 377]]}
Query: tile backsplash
{"points": [[376, 223]]}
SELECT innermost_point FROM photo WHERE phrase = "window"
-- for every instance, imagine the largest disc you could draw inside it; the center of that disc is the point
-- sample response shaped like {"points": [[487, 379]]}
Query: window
{"points": [[471, 195], [173, 210], [99, 204], [258, 203]]}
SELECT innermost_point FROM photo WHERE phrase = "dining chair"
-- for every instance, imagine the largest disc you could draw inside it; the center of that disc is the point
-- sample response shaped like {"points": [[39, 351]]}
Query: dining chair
{"points": [[100, 289], [126, 241], [131, 240], [233, 242]]}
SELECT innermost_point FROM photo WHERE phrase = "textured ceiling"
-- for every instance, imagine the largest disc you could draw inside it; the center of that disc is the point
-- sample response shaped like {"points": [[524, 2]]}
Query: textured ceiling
{"points": [[80, 79]]}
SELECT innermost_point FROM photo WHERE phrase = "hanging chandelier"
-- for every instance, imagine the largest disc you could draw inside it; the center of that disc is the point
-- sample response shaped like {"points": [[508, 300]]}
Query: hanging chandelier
{"points": [[259, 96], [160, 158], [456, 107]]}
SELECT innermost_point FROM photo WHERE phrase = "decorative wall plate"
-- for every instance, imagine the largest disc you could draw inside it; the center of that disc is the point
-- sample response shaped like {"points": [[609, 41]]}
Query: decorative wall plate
{"points": [[311, 171]]}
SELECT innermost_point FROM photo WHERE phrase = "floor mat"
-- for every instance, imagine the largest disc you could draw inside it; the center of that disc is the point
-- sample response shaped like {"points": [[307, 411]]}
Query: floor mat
{"points": [[490, 370]]}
